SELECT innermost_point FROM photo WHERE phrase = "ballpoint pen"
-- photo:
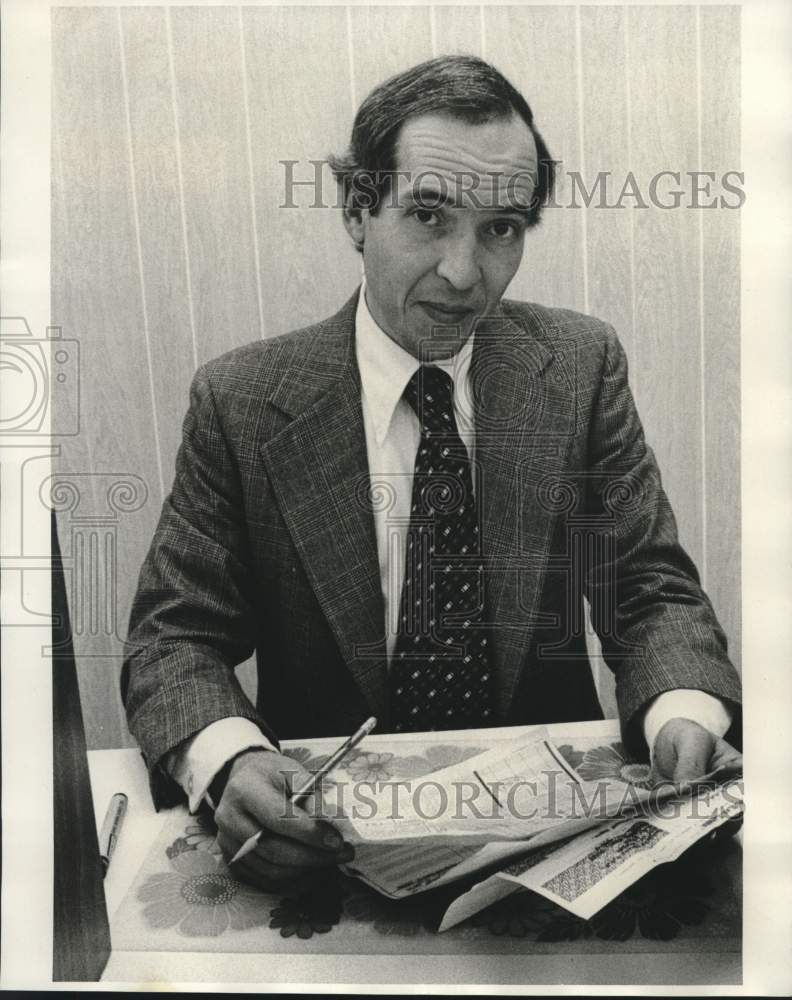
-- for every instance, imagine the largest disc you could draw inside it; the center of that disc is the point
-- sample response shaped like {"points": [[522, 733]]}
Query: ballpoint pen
{"points": [[111, 828], [305, 790]]}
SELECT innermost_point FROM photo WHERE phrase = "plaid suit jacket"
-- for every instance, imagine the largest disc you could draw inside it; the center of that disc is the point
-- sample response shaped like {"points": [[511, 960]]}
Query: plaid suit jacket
{"points": [[267, 542]]}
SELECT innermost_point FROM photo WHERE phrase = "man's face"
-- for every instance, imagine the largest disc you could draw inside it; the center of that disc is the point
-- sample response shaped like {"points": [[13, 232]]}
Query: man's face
{"points": [[449, 236]]}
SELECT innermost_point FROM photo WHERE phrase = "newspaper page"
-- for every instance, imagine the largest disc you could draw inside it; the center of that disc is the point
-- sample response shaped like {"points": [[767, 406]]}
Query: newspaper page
{"points": [[512, 792], [521, 795], [586, 872]]}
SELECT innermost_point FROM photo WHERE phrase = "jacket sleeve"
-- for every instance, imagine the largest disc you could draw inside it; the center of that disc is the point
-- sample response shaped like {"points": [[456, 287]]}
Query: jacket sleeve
{"points": [[192, 618], [656, 625]]}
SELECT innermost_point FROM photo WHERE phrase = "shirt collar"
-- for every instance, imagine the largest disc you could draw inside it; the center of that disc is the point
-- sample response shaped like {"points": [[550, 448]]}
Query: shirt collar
{"points": [[386, 368]]}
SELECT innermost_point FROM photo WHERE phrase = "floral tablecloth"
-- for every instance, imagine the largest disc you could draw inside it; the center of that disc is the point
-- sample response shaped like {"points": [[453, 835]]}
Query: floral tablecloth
{"points": [[185, 899]]}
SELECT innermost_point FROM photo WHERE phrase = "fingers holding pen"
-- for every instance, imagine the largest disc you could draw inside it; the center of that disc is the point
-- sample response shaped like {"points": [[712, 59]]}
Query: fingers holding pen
{"points": [[292, 841]]}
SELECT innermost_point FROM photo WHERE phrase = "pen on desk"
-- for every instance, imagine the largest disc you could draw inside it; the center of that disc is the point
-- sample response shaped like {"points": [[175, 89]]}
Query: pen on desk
{"points": [[305, 790], [111, 829]]}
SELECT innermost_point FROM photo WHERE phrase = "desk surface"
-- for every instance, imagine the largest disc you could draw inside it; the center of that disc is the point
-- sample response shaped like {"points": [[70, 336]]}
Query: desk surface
{"points": [[123, 770]]}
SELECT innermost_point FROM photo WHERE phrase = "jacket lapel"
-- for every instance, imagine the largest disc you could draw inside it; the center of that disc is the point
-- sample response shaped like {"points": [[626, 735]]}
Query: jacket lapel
{"points": [[524, 422], [319, 473], [525, 417]]}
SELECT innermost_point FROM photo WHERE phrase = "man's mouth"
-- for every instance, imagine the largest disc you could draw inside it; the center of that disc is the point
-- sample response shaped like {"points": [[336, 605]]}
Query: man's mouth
{"points": [[450, 315]]}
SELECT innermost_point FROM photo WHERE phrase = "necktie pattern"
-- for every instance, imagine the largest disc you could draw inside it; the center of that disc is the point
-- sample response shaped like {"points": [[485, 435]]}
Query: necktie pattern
{"points": [[440, 676]]}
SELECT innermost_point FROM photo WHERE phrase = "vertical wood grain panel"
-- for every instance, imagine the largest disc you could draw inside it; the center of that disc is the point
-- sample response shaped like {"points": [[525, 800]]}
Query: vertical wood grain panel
{"points": [[386, 40], [164, 263], [308, 264], [67, 210], [96, 297], [210, 108], [535, 48], [720, 152], [457, 30], [662, 53], [606, 151]]}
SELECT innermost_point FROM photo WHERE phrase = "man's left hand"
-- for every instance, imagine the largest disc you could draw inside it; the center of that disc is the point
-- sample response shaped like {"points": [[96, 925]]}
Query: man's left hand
{"points": [[685, 750]]}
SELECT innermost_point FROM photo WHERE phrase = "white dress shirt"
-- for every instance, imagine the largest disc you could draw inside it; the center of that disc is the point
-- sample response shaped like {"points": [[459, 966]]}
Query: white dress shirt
{"points": [[392, 435]]}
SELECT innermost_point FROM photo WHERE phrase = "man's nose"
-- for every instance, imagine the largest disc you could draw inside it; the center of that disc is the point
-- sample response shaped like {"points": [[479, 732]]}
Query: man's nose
{"points": [[460, 265]]}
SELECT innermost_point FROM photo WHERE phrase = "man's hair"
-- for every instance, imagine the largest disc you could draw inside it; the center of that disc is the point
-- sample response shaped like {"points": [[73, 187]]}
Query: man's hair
{"points": [[463, 87]]}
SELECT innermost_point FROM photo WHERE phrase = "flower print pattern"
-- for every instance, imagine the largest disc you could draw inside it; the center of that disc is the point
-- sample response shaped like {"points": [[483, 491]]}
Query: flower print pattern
{"points": [[200, 898], [370, 767], [520, 915], [312, 907], [199, 835], [434, 758], [572, 756], [611, 762], [306, 758], [398, 917]]}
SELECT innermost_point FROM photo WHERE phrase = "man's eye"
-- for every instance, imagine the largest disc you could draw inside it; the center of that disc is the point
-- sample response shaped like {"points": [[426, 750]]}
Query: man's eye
{"points": [[427, 216], [504, 229]]}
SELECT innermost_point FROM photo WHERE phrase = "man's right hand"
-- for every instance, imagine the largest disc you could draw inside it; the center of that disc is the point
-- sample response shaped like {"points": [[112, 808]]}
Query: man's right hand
{"points": [[256, 797]]}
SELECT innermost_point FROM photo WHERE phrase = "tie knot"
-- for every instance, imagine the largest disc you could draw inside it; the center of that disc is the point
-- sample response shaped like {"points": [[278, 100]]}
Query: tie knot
{"points": [[430, 392]]}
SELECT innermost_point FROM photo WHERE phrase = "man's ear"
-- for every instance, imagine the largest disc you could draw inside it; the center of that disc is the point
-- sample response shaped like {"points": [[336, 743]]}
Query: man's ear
{"points": [[355, 220]]}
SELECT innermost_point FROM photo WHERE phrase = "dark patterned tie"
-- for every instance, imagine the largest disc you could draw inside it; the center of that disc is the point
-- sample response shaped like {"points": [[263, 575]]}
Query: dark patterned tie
{"points": [[439, 675]]}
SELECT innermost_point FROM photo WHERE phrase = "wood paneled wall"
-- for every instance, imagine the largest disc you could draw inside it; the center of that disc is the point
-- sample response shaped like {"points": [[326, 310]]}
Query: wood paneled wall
{"points": [[169, 244]]}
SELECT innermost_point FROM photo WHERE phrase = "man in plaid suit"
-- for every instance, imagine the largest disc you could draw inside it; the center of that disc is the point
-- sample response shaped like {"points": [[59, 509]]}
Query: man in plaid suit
{"points": [[285, 531]]}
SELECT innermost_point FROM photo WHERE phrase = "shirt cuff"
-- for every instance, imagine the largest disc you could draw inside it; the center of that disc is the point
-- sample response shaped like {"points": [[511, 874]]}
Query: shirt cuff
{"points": [[195, 762], [686, 703]]}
